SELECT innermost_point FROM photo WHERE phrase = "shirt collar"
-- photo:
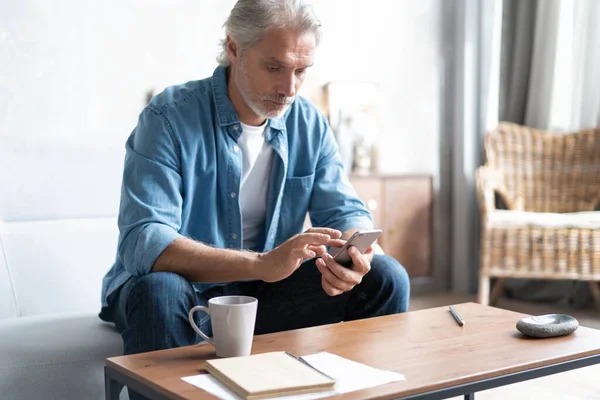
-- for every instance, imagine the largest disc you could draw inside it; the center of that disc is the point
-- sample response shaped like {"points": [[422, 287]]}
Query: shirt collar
{"points": [[226, 114]]}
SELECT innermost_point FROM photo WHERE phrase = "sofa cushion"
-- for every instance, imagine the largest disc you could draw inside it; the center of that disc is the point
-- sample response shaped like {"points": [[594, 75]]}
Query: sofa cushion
{"points": [[58, 265], [56, 357], [511, 219], [8, 306]]}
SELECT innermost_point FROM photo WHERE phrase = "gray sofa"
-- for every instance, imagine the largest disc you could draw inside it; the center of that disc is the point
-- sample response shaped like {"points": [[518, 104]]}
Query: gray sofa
{"points": [[58, 235], [52, 343]]}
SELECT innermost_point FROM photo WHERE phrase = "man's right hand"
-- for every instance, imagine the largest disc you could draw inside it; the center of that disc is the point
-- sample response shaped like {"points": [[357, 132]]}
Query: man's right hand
{"points": [[283, 260]]}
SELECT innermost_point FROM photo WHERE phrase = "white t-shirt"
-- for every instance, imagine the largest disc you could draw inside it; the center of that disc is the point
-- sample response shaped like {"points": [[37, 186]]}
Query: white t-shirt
{"points": [[256, 170]]}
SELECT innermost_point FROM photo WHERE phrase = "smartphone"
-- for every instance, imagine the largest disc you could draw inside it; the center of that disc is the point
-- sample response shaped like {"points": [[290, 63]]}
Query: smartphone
{"points": [[361, 240]]}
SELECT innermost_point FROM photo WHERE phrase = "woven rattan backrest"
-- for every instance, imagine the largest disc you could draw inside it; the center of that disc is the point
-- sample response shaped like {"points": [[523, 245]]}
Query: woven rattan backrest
{"points": [[546, 172]]}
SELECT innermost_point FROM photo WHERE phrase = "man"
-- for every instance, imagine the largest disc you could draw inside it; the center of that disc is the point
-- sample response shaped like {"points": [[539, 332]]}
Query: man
{"points": [[219, 175]]}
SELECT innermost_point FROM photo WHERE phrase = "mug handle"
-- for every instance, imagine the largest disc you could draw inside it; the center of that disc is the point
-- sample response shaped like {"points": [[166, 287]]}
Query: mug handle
{"points": [[193, 323]]}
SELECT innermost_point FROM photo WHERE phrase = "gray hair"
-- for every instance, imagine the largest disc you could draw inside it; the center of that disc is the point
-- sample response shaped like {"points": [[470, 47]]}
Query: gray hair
{"points": [[249, 19]]}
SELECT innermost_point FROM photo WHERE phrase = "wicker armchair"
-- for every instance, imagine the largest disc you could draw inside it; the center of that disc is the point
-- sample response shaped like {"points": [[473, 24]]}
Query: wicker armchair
{"points": [[550, 184]]}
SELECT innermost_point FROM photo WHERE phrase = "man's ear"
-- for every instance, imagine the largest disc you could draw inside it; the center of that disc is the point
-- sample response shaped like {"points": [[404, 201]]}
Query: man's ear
{"points": [[232, 49]]}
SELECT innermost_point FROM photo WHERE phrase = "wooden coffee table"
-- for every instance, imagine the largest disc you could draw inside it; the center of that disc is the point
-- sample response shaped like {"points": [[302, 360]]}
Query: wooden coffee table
{"points": [[439, 358]]}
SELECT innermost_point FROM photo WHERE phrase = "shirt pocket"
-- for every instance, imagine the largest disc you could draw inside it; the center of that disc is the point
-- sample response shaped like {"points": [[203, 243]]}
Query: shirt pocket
{"points": [[294, 204], [299, 182]]}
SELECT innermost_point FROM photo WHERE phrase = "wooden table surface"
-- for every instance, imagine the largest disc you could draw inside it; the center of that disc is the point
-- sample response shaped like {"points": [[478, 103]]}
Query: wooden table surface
{"points": [[427, 346]]}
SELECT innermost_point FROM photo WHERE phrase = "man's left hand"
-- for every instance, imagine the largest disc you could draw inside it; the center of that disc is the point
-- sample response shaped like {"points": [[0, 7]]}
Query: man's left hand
{"points": [[337, 279]]}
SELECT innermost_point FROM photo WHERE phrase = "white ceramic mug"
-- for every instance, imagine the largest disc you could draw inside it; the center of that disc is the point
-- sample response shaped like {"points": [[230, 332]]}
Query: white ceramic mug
{"points": [[232, 319]]}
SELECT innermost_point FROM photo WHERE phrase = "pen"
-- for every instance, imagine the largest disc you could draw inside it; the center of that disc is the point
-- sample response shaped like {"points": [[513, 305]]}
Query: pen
{"points": [[303, 361], [457, 317]]}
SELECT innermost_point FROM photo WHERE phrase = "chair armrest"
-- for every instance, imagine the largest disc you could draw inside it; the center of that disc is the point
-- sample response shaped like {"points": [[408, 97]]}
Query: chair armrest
{"points": [[487, 181]]}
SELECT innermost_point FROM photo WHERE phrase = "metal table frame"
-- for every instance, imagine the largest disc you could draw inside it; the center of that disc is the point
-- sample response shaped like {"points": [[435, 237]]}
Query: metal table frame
{"points": [[115, 380]]}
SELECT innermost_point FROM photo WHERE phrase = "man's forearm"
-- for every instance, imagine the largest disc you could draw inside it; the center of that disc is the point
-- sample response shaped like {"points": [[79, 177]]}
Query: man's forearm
{"points": [[198, 262]]}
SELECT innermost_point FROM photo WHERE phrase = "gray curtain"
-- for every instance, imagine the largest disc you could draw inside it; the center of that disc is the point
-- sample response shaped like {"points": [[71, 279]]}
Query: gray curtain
{"points": [[469, 48], [518, 34], [516, 59]]}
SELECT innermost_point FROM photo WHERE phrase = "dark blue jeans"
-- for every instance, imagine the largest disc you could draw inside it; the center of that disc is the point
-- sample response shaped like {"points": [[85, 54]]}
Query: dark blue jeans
{"points": [[151, 311]]}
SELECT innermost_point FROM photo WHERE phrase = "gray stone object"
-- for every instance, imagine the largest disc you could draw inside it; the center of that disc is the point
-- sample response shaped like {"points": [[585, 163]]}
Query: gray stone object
{"points": [[545, 326]]}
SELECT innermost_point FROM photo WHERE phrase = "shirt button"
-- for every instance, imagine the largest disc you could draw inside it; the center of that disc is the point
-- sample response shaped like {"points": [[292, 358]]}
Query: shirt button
{"points": [[234, 236], [283, 149], [236, 127], [232, 195], [236, 149]]}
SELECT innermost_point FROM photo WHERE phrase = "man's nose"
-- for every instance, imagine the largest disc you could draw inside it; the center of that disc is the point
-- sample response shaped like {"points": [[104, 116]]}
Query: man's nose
{"points": [[287, 86]]}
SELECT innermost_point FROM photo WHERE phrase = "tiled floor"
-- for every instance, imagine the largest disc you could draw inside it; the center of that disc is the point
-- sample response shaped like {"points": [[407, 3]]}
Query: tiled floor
{"points": [[583, 383]]}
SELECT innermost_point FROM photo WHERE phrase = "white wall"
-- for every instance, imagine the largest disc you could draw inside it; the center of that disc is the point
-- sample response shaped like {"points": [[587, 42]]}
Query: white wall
{"points": [[74, 76], [397, 45]]}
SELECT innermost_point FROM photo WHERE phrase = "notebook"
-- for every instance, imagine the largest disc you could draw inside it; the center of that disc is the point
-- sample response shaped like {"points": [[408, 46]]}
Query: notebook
{"points": [[272, 374]]}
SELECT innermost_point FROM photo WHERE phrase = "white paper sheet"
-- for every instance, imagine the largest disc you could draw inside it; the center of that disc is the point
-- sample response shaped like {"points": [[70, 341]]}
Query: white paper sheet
{"points": [[349, 376]]}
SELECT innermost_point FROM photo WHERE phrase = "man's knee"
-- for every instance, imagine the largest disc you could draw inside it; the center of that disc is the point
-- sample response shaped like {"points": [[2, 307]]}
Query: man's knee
{"points": [[159, 291], [392, 278], [154, 311]]}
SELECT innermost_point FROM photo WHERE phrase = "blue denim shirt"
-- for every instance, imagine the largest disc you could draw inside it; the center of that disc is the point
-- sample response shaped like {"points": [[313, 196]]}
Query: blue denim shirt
{"points": [[183, 171]]}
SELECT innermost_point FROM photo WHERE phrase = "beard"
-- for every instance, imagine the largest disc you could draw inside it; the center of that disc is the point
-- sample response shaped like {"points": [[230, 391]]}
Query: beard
{"points": [[264, 105]]}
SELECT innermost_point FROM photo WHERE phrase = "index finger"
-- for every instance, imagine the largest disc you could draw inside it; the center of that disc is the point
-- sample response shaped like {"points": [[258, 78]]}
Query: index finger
{"points": [[334, 233], [306, 239]]}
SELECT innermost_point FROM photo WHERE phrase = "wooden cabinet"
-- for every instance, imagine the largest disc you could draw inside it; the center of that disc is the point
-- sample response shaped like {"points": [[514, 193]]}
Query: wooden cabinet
{"points": [[402, 205]]}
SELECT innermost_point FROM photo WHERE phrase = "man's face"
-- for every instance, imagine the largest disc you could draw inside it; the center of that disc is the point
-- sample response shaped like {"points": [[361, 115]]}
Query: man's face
{"points": [[269, 74]]}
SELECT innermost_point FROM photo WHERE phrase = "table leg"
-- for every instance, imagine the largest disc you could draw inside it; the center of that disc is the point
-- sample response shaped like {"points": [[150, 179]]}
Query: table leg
{"points": [[470, 396], [112, 388]]}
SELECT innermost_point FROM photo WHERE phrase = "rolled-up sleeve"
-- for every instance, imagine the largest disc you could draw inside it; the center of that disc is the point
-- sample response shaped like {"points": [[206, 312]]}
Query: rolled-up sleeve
{"points": [[151, 193], [334, 202]]}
